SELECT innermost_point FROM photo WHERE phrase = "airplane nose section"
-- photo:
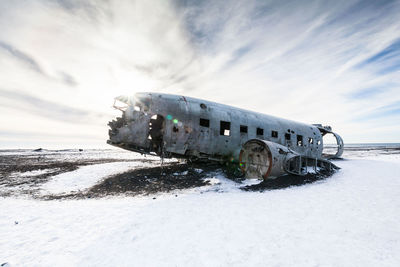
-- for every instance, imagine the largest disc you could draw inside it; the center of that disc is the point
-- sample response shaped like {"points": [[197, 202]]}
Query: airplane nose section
{"points": [[131, 130], [114, 131]]}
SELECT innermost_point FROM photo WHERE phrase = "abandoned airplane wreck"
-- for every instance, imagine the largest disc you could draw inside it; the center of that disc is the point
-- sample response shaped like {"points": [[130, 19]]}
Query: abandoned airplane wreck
{"points": [[262, 146]]}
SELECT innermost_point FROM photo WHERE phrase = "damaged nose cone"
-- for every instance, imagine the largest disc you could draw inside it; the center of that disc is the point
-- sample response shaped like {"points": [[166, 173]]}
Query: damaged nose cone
{"points": [[115, 125], [136, 130]]}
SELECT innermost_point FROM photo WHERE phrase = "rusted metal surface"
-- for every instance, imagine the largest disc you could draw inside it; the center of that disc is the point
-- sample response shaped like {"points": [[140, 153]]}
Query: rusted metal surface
{"points": [[177, 126], [260, 158]]}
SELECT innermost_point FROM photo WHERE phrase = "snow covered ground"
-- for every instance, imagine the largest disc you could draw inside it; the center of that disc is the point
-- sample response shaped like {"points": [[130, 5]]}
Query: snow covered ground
{"points": [[349, 219]]}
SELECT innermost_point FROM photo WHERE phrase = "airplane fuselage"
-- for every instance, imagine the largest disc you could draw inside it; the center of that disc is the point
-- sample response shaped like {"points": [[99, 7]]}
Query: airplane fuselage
{"points": [[178, 126]]}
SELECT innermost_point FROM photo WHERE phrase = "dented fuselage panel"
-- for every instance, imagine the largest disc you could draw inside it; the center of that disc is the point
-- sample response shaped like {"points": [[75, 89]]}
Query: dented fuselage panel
{"points": [[178, 126]]}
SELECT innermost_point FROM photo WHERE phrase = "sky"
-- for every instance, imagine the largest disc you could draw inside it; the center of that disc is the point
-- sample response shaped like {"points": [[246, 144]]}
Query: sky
{"points": [[331, 62]]}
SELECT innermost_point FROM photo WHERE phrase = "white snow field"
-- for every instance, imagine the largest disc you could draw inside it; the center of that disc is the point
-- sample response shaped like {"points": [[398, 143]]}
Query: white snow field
{"points": [[349, 219]]}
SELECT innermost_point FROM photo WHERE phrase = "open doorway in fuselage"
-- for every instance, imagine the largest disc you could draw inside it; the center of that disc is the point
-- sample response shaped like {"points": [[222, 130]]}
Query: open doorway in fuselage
{"points": [[156, 133]]}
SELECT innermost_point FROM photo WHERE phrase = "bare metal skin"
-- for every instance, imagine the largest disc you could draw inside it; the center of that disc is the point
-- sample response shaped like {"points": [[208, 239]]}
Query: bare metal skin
{"points": [[183, 127]]}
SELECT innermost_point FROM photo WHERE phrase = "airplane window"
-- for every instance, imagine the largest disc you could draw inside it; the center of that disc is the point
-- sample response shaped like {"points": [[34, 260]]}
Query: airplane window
{"points": [[274, 134], [225, 128], [203, 106], [287, 136], [243, 129], [310, 140], [260, 131], [204, 122], [299, 140]]}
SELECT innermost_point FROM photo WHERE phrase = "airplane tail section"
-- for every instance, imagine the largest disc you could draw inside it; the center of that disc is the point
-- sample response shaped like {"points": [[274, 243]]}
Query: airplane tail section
{"points": [[331, 151]]}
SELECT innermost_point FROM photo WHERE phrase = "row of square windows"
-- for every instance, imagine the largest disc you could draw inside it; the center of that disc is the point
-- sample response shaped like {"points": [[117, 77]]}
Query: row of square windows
{"points": [[225, 129]]}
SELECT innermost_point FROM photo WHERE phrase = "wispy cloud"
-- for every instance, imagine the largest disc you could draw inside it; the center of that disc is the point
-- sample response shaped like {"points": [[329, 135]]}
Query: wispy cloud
{"points": [[313, 61], [385, 61], [366, 93], [55, 110], [389, 113], [21, 56]]}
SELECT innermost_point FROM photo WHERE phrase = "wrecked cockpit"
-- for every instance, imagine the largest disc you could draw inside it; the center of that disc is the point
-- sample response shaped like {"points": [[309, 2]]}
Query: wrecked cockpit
{"points": [[136, 129]]}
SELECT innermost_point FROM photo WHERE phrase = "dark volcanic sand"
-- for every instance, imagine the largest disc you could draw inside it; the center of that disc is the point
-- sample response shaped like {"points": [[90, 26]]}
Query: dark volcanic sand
{"points": [[140, 181]]}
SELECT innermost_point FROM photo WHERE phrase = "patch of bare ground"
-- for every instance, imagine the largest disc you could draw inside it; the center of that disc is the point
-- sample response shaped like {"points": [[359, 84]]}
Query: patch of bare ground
{"points": [[23, 174], [166, 178], [288, 181], [179, 176]]}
